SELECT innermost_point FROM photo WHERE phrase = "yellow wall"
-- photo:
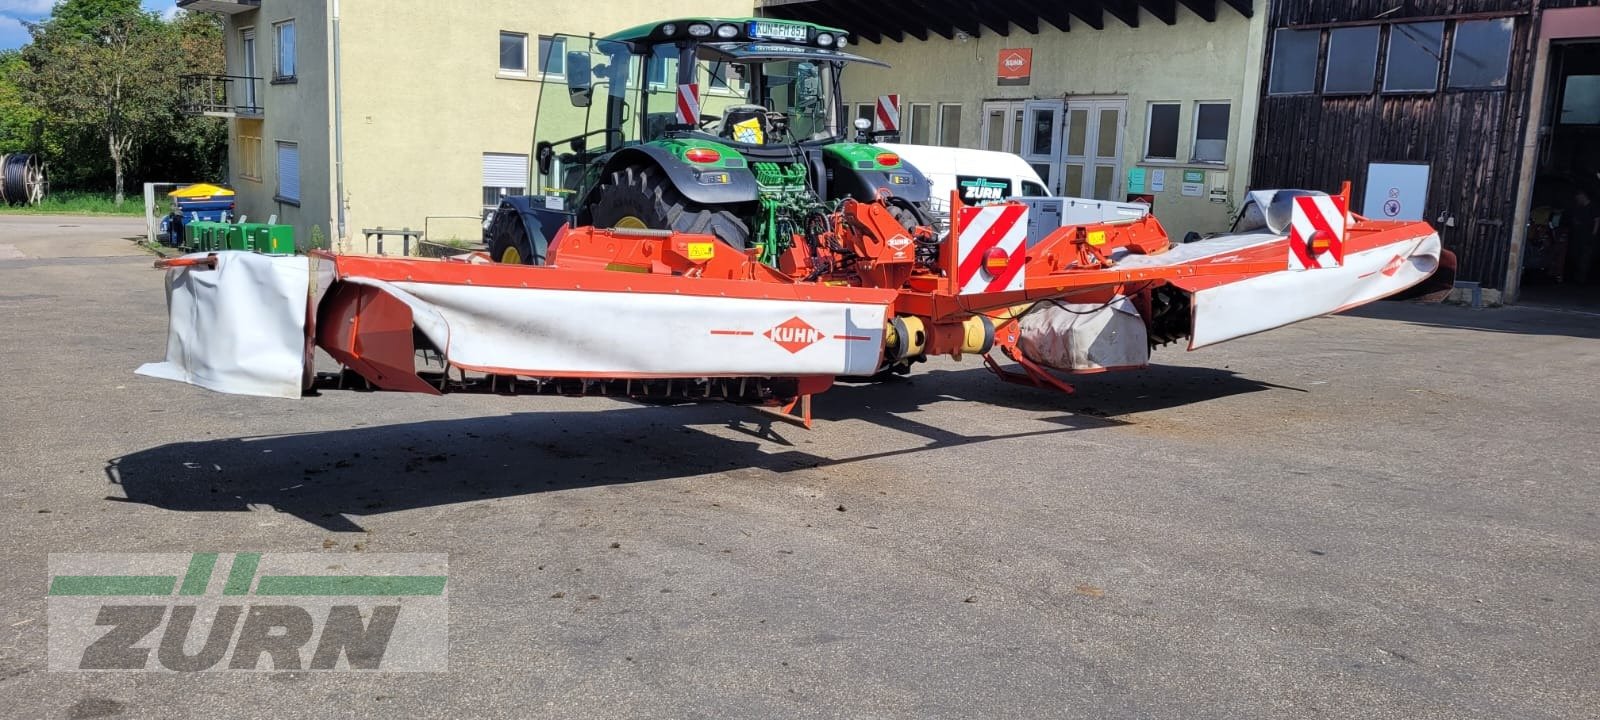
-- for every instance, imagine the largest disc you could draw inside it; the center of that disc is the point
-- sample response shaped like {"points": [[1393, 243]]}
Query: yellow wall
{"points": [[423, 98], [1187, 62]]}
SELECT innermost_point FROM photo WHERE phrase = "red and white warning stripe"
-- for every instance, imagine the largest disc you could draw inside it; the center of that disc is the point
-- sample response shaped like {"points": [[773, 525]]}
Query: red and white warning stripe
{"points": [[1316, 232], [992, 248], [689, 104], [888, 113]]}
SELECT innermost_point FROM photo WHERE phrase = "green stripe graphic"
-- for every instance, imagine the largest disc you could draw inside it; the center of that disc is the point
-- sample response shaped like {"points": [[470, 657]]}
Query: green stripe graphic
{"points": [[351, 585], [242, 572], [112, 584], [199, 575]]}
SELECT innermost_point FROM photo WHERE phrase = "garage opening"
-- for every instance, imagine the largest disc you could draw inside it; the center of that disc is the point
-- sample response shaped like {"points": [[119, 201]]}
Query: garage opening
{"points": [[1561, 264]]}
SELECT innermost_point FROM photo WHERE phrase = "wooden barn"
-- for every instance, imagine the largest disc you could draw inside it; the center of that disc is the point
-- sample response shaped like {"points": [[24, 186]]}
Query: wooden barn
{"points": [[1477, 115]]}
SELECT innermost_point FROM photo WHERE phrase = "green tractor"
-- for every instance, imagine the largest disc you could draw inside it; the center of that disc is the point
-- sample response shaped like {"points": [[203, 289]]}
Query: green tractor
{"points": [[768, 150]]}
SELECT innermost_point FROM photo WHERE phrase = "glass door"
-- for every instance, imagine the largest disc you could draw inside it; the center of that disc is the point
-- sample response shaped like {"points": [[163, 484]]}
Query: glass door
{"points": [[1002, 126], [1091, 160], [247, 41], [1041, 139]]}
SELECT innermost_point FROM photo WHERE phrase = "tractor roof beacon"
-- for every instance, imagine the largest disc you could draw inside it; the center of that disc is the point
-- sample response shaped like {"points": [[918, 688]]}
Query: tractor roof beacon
{"points": [[730, 127]]}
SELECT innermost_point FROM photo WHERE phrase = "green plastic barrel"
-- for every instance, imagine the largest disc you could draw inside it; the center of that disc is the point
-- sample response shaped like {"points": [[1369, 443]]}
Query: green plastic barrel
{"points": [[235, 237], [191, 235], [273, 239]]}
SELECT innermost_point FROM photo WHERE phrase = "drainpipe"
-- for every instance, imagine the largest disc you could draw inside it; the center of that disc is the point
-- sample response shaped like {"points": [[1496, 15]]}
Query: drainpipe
{"points": [[338, 125]]}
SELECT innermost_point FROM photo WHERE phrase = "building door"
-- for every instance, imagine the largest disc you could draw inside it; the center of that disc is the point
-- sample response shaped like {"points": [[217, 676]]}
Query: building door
{"points": [[1091, 156], [1041, 139], [1002, 126], [247, 95]]}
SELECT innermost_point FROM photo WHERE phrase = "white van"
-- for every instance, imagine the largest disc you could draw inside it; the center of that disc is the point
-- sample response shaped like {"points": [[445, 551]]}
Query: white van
{"points": [[988, 176], [980, 175]]}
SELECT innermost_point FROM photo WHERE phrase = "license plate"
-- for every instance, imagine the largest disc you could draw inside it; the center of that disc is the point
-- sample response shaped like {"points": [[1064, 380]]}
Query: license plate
{"points": [[778, 31]]}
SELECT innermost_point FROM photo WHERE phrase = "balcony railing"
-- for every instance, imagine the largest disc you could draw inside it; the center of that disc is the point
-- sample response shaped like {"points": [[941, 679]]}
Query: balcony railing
{"points": [[220, 95]]}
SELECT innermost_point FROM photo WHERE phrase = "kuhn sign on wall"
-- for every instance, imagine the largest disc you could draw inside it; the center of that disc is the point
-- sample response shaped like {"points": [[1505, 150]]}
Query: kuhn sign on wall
{"points": [[1015, 66]]}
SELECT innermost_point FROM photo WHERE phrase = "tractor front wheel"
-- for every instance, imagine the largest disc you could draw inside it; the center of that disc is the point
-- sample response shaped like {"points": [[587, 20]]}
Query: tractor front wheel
{"points": [[509, 242], [642, 197]]}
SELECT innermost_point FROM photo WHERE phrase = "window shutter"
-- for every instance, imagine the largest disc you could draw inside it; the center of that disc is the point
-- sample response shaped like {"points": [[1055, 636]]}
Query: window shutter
{"points": [[502, 170], [289, 171]]}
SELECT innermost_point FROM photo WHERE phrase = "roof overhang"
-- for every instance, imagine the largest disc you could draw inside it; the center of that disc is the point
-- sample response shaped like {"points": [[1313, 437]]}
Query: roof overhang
{"points": [[223, 7], [918, 19]]}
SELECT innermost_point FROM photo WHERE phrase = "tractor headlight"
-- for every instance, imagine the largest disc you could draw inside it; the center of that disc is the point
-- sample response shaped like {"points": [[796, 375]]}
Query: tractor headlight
{"points": [[863, 124], [669, 29], [842, 41], [700, 30], [727, 32], [824, 39]]}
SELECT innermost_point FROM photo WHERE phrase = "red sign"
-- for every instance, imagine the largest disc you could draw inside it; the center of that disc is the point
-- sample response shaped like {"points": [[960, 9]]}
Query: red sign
{"points": [[794, 334], [1015, 66]]}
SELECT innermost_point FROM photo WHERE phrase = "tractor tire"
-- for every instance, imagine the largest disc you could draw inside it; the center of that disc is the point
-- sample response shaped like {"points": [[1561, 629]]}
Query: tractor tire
{"points": [[509, 242], [910, 214], [642, 197]]}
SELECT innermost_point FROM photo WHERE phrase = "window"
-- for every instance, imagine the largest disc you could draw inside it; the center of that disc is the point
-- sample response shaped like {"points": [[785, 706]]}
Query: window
{"points": [[249, 149], [920, 130], [504, 174], [514, 53], [552, 56], [1161, 132], [1211, 132], [1479, 57], [717, 79], [1033, 189], [869, 112], [663, 66], [1352, 61], [950, 125], [283, 47], [1580, 100], [1294, 62], [288, 172], [1414, 55]]}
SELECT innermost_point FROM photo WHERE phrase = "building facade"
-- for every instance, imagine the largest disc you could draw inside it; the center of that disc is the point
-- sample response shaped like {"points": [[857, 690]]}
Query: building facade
{"points": [[1107, 99], [1466, 115], [353, 114]]}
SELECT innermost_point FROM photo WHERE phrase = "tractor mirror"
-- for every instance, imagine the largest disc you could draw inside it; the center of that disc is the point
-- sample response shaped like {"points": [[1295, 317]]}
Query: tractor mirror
{"points": [[580, 79], [546, 156]]}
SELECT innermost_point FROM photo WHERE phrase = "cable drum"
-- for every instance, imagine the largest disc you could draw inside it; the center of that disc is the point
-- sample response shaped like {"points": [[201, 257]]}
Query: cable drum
{"points": [[22, 180]]}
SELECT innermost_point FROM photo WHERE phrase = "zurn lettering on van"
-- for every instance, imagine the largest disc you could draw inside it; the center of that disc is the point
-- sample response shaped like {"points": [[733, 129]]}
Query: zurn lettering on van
{"points": [[982, 189]]}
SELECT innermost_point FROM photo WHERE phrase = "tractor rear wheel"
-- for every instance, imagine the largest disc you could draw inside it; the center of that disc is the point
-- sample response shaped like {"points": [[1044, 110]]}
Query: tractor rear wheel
{"points": [[642, 197]]}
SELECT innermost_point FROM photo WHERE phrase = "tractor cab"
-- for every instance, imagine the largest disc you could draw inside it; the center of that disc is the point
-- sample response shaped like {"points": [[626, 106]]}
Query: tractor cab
{"points": [[730, 127]]}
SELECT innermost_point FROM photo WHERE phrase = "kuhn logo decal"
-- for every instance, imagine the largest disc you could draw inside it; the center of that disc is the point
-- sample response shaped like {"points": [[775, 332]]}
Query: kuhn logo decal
{"points": [[794, 334]]}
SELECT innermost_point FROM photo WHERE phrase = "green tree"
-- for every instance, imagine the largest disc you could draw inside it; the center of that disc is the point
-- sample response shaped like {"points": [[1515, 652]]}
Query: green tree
{"points": [[100, 64], [21, 124]]}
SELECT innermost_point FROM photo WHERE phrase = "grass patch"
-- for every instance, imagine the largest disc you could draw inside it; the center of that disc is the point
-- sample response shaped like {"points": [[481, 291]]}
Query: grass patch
{"points": [[79, 203]]}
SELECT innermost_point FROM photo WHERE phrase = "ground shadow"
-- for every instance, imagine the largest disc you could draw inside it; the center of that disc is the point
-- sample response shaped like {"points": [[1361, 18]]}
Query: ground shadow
{"points": [[330, 478], [1517, 319]]}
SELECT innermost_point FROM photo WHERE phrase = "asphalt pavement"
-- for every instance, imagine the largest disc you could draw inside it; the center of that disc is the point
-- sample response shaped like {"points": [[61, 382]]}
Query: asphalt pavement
{"points": [[1384, 514]]}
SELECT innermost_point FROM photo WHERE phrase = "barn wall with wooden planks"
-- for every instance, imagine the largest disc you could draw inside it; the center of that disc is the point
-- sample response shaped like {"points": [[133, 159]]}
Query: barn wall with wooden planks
{"points": [[1471, 138]]}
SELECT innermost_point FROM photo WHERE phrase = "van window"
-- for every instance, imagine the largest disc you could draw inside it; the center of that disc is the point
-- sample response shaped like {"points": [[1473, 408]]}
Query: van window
{"points": [[1033, 189]]}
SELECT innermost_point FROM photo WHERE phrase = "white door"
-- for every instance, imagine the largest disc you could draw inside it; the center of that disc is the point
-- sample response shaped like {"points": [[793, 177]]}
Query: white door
{"points": [[1091, 157], [1002, 126], [247, 94], [1041, 139]]}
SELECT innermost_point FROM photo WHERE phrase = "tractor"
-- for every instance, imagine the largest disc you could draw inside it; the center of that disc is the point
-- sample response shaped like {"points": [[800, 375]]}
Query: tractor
{"points": [[728, 127]]}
